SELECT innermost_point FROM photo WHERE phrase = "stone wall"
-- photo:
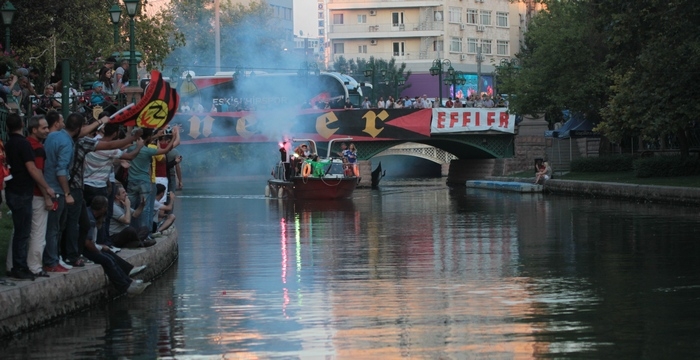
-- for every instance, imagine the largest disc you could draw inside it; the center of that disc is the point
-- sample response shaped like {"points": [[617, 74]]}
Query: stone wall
{"points": [[32, 303]]}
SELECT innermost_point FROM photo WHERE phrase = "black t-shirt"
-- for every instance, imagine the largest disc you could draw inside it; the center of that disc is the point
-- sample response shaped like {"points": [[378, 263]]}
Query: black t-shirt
{"points": [[19, 151]]}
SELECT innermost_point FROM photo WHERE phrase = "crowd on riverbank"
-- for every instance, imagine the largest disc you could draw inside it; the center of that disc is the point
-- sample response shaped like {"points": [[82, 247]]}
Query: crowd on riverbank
{"points": [[79, 192]]}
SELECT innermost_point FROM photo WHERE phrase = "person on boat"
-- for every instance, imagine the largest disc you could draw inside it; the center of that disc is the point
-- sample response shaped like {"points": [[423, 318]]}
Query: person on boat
{"points": [[341, 153], [351, 155]]}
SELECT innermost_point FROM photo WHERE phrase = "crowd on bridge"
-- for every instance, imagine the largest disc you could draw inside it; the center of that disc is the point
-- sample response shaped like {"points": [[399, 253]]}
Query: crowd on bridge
{"points": [[423, 102], [80, 190]]}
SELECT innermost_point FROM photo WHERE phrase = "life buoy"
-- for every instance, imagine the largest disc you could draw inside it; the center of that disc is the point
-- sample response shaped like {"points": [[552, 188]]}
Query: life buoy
{"points": [[306, 170]]}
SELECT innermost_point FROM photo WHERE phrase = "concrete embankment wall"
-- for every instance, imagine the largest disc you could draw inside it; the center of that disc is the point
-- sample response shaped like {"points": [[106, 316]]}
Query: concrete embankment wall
{"points": [[641, 193], [32, 303]]}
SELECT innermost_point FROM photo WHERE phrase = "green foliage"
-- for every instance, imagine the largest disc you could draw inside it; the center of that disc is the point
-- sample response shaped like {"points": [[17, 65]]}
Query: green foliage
{"points": [[602, 164], [562, 64], [384, 87], [44, 32], [666, 166], [657, 52]]}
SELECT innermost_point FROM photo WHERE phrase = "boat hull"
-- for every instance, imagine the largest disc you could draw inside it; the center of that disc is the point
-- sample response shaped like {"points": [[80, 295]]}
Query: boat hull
{"points": [[314, 188]]}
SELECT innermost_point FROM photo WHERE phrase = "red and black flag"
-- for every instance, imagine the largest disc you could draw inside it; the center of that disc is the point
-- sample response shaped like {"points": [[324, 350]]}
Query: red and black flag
{"points": [[156, 108]]}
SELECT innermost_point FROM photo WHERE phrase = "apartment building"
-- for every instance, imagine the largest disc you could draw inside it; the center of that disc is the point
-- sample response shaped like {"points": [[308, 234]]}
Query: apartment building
{"points": [[474, 35]]}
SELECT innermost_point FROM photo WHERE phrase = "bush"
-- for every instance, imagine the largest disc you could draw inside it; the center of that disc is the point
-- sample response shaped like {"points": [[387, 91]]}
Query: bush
{"points": [[602, 164], [666, 166]]}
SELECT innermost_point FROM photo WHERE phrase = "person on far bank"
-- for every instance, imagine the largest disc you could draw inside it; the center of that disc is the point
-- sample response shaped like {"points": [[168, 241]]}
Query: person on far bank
{"points": [[19, 193], [544, 173]]}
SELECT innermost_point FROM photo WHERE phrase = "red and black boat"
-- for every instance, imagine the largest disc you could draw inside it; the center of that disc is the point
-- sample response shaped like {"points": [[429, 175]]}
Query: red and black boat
{"points": [[309, 177]]}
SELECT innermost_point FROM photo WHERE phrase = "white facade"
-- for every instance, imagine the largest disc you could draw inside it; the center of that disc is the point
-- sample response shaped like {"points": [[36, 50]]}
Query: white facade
{"points": [[419, 31]]}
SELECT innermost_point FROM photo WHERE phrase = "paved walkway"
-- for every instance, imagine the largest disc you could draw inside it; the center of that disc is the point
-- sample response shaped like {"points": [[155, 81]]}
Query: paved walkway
{"points": [[32, 303], [641, 193]]}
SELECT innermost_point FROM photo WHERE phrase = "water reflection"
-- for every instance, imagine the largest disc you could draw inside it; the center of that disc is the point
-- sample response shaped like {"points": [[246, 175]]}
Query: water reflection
{"points": [[412, 270]]}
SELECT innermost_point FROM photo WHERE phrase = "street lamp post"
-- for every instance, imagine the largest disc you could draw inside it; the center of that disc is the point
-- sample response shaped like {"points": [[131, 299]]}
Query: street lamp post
{"points": [[436, 69], [8, 13], [370, 73], [115, 12], [457, 78], [131, 8]]}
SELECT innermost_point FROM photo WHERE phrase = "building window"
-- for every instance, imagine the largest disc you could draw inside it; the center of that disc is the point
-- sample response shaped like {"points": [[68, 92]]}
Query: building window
{"points": [[321, 32], [472, 45], [438, 46], [456, 15], [502, 48], [338, 19], [502, 19], [339, 48], [486, 47], [320, 15], [362, 49], [321, 23], [485, 17], [456, 44], [361, 19], [472, 16], [397, 18], [399, 48]]}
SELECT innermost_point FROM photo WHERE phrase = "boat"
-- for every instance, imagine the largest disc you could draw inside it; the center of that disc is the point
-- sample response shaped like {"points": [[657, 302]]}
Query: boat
{"points": [[313, 177], [377, 175]]}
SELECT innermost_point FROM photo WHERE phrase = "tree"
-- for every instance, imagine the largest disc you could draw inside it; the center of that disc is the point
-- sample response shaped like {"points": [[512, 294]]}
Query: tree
{"points": [[44, 32], [562, 63], [654, 69], [385, 86]]}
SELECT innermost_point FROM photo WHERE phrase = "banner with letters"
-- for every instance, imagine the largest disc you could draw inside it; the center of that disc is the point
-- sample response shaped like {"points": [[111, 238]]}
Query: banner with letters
{"points": [[459, 120]]}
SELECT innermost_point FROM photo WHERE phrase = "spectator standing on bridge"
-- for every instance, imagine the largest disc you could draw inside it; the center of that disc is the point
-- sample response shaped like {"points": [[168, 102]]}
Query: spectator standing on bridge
{"points": [[488, 102], [366, 104], [381, 104], [407, 103], [348, 105], [457, 103], [449, 102]]}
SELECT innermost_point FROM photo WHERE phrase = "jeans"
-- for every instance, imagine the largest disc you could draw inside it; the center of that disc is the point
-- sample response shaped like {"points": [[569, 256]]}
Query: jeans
{"points": [[90, 193], [136, 190], [71, 235], [116, 268], [21, 206], [54, 228]]}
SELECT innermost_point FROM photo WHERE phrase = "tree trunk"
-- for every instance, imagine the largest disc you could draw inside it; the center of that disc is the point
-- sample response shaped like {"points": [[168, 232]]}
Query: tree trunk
{"points": [[683, 144]]}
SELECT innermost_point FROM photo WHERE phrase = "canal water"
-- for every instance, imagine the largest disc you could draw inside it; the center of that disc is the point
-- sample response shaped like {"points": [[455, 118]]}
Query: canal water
{"points": [[415, 269]]}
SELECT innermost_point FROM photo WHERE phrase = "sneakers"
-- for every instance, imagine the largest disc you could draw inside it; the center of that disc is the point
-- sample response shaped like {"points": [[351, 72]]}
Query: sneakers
{"points": [[147, 242], [41, 273], [57, 269], [137, 287], [62, 263], [158, 234], [76, 263], [115, 249], [21, 275], [136, 270]]}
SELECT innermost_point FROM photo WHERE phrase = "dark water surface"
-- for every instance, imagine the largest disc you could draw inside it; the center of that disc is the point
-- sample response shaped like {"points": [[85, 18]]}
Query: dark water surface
{"points": [[415, 269]]}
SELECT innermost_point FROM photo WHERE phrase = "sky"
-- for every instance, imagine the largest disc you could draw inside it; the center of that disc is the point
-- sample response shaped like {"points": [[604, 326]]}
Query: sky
{"points": [[305, 17]]}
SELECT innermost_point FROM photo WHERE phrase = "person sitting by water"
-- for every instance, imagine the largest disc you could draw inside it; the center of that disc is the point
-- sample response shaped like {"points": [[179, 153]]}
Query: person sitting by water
{"points": [[117, 269], [121, 234], [544, 173], [162, 218]]}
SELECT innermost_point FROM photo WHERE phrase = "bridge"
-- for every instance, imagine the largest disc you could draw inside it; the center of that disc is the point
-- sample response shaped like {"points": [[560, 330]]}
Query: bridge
{"points": [[439, 135]]}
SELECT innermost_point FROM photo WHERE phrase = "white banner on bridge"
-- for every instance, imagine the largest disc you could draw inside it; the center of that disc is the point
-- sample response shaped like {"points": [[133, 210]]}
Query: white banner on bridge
{"points": [[451, 120]]}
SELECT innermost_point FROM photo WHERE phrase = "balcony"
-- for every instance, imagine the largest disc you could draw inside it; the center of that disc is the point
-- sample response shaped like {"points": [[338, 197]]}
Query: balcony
{"points": [[385, 4], [364, 31]]}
